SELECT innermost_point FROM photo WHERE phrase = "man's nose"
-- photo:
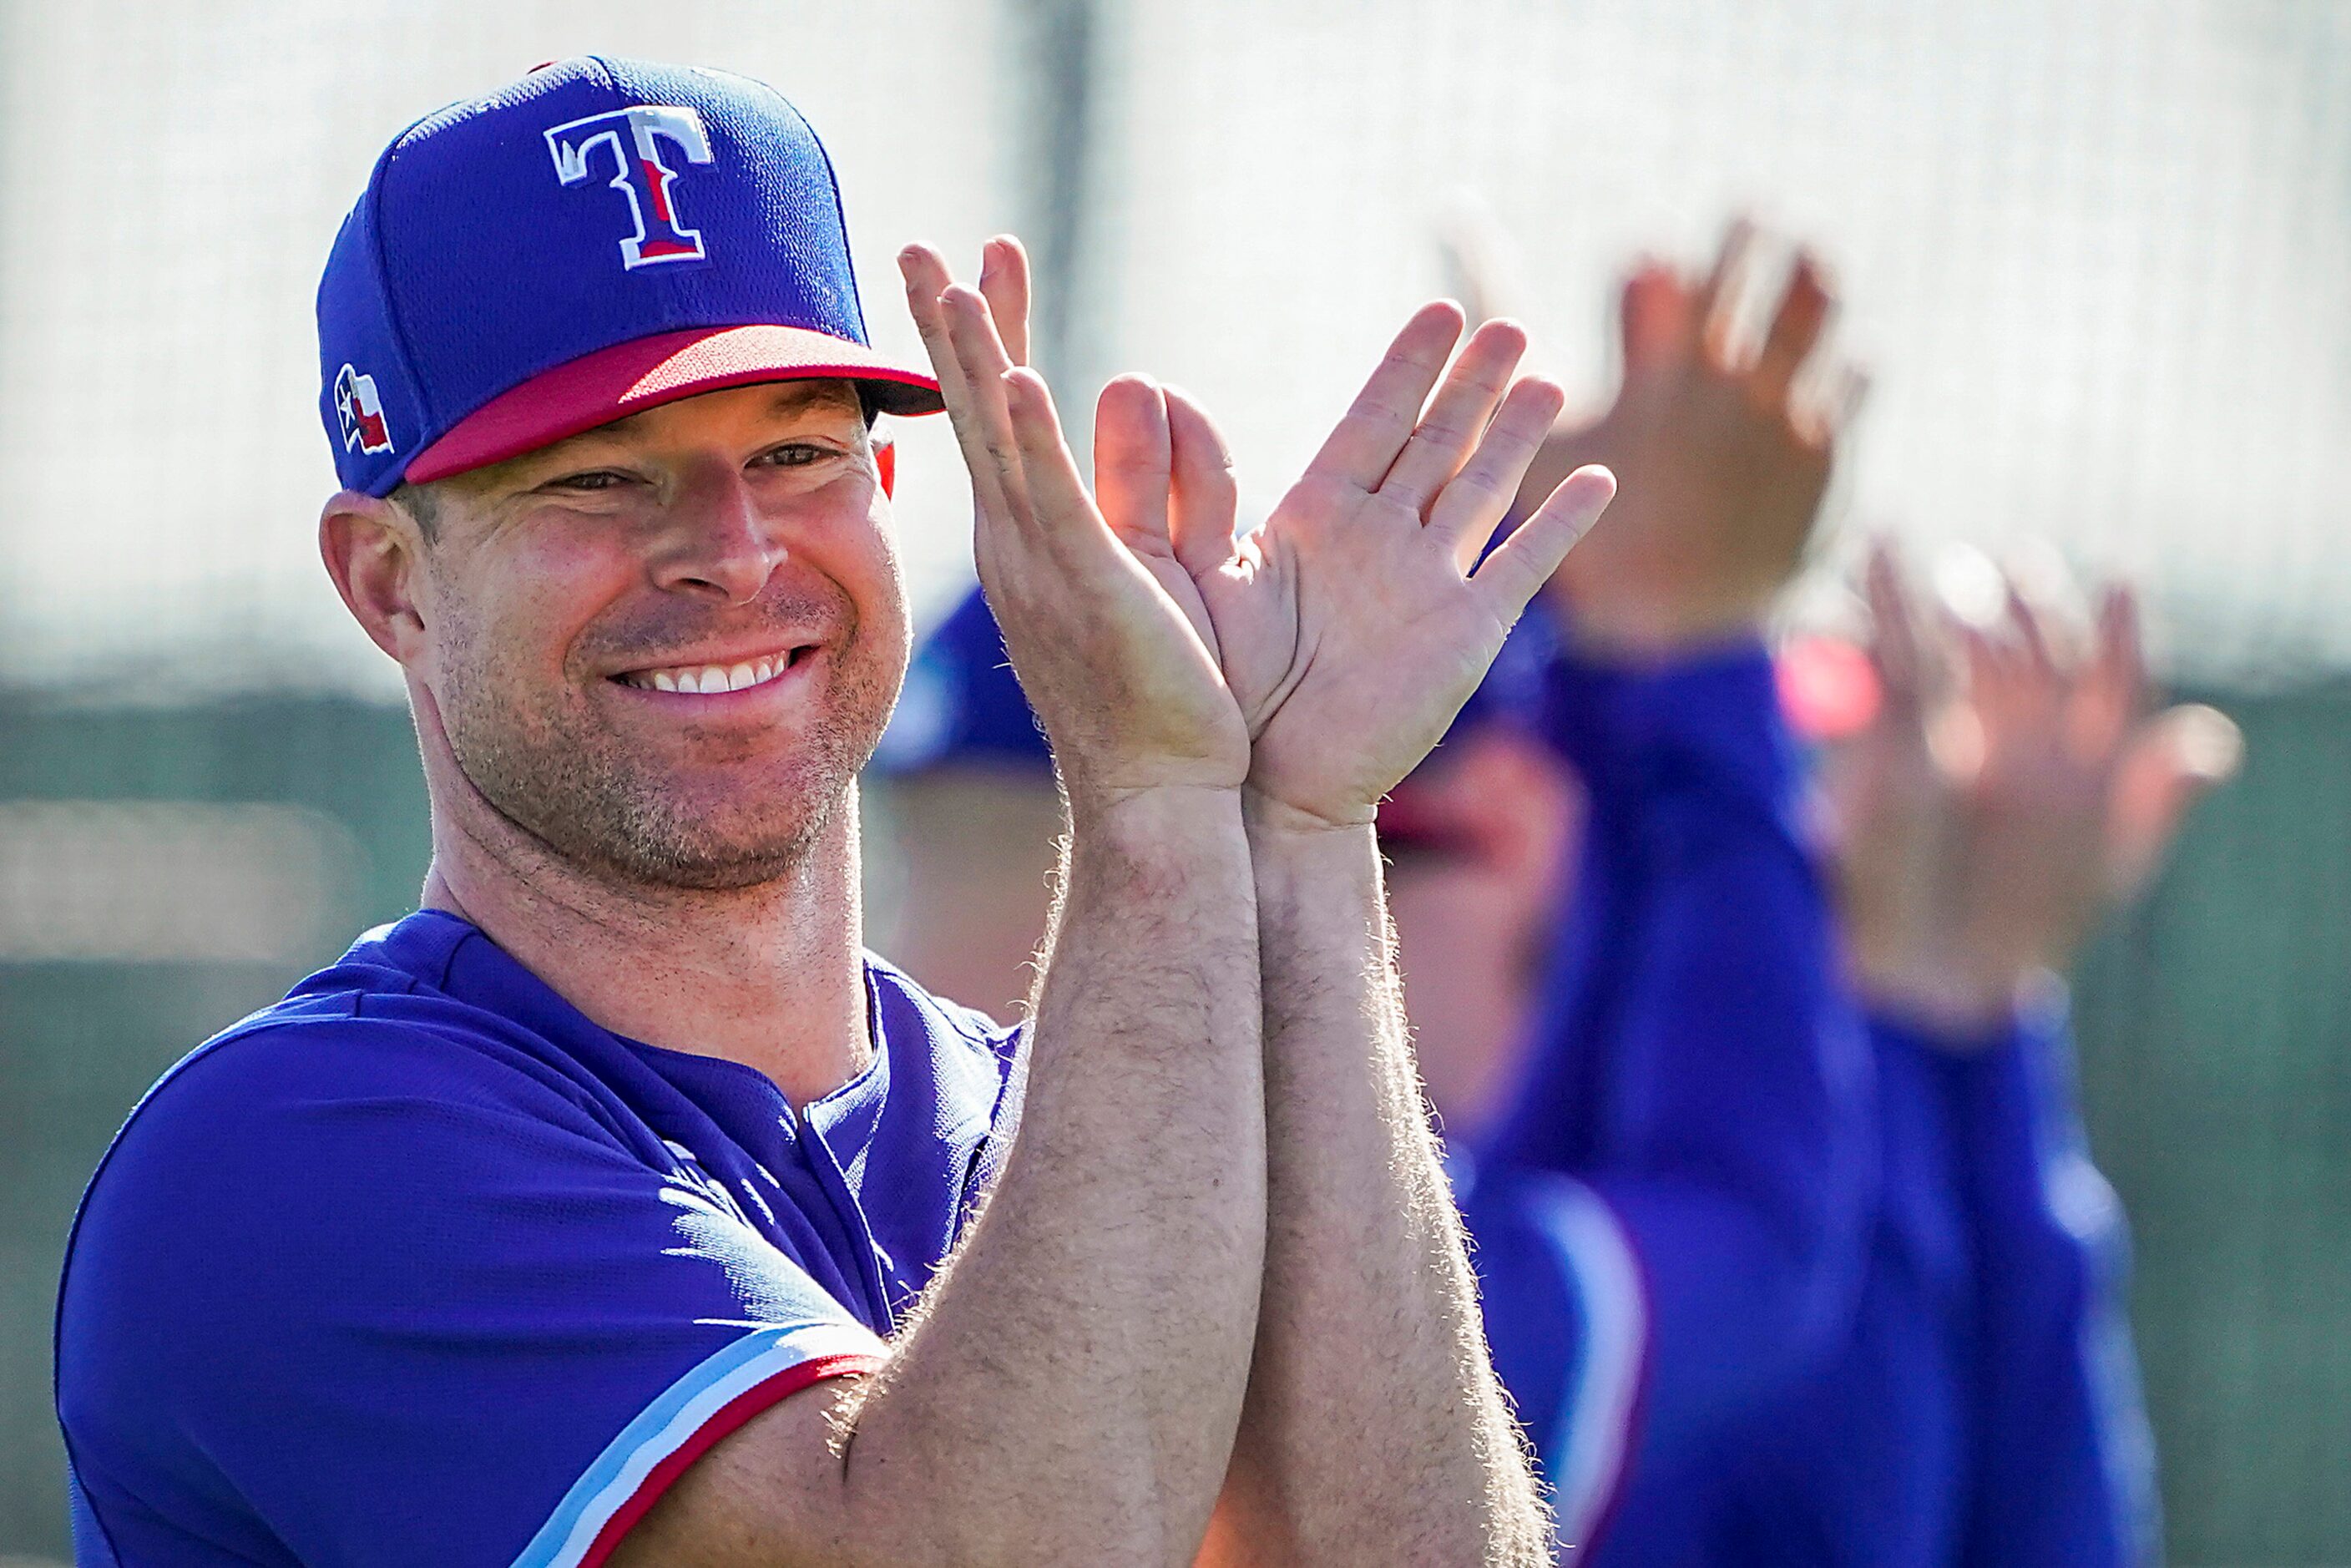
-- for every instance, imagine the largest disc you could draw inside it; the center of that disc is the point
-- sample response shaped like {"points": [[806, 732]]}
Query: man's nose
{"points": [[713, 542]]}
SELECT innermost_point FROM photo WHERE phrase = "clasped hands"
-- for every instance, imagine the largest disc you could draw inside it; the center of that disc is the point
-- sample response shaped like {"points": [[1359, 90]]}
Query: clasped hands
{"points": [[1309, 664]]}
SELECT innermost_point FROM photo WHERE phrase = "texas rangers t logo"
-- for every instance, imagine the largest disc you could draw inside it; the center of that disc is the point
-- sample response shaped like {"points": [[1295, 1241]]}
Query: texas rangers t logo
{"points": [[360, 412], [634, 137]]}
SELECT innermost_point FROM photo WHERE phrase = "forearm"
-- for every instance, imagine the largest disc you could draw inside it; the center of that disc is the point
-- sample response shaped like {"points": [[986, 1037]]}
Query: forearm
{"points": [[1375, 1431], [1697, 1072], [1071, 1389], [2066, 1458]]}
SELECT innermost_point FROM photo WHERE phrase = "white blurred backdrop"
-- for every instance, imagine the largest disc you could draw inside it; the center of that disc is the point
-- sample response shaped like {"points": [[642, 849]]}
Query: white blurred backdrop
{"points": [[2094, 252]]}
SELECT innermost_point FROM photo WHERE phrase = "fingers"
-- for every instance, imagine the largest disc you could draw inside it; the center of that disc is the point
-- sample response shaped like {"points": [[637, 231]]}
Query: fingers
{"points": [[2112, 689], [926, 277], [2041, 662], [1477, 497], [1716, 307], [1895, 645], [1833, 400], [1457, 415], [1523, 563], [2171, 762], [1004, 284], [1655, 316], [1796, 327], [984, 426], [1132, 458], [2119, 660], [1363, 446], [1054, 494], [1206, 501], [927, 280]]}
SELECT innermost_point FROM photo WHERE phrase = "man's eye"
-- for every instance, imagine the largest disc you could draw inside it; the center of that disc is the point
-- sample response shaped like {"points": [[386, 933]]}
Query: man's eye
{"points": [[794, 454], [594, 479]]}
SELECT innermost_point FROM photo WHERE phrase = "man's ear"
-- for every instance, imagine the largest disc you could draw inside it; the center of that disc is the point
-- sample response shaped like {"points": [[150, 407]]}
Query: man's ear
{"points": [[374, 552], [885, 463]]}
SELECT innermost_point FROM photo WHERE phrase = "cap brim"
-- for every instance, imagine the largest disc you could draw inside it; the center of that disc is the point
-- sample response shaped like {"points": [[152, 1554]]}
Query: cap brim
{"points": [[628, 378]]}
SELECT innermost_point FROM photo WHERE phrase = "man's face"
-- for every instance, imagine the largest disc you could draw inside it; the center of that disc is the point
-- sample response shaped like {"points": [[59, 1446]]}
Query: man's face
{"points": [[666, 646]]}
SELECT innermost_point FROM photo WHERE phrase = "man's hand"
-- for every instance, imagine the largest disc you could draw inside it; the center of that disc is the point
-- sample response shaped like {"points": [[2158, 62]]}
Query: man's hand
{"points": [[1105, 627], [1350, 629], [2002, 799], [1723, 457], [1352, 626]]}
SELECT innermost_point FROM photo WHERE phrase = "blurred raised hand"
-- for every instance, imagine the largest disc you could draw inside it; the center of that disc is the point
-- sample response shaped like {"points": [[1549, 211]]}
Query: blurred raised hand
{"points": [[1106, 627], [1355, 622], [1722, 452], [2013, 788]]}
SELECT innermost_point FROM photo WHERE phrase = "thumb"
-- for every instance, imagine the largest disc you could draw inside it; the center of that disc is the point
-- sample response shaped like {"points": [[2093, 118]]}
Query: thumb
{"points": [[2173, 761], [1205, 498], [1131, 458]]}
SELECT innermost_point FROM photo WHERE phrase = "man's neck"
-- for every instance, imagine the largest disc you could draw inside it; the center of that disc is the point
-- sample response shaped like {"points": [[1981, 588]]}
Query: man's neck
{"points": [[771, 977]]}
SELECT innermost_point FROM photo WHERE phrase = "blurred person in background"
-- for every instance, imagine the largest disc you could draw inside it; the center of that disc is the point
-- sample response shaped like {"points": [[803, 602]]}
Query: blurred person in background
{"points": [[1985, 1409], [1972, 1400], [970, 818], [1672, 1204]]}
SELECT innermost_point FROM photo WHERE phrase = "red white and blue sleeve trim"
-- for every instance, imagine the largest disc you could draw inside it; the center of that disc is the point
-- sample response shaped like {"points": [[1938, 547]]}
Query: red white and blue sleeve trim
{"points": [[686, 1422], [1601, 1405]]}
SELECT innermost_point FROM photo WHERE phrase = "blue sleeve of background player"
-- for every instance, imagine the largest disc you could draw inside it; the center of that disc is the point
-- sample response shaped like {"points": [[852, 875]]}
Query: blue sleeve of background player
{"points": [[1698, 1098], [2066, 1467]]}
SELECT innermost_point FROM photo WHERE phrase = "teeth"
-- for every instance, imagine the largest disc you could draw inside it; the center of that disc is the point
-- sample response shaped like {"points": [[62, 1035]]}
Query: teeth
{"points": [[705, 678]]}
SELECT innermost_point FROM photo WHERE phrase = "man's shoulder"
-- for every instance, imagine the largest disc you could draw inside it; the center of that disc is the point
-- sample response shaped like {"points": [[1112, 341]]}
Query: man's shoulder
{"points": [[373, 1022], [355, 1058]]}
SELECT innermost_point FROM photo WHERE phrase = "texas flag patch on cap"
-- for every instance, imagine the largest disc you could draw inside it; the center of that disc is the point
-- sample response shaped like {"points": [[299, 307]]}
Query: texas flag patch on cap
{"points": [[360, 411]]}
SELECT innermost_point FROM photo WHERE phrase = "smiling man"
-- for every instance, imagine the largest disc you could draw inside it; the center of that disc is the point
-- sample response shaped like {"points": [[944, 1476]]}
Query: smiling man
{"points": [[616, 1205]]}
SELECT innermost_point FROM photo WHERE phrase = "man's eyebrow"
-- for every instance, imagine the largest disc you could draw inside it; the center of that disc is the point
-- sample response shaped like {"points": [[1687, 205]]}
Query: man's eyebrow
{"points": [[804, 395], [814, 393]]}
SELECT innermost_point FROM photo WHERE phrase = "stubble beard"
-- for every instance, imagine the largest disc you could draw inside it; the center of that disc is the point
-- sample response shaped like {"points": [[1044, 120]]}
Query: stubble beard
{"points": [[591, 801]]}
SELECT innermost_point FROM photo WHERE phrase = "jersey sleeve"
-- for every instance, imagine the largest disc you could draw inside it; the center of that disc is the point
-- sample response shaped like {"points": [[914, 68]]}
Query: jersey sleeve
{"points": [[1700, 1078], [354, 1293], [2066, 1460]]}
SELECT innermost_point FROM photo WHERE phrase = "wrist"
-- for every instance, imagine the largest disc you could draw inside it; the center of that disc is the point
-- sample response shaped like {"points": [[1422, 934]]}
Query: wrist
{"points": [[1273, 820], [1956, 1008], [1146, 811], [1620, 625], [1297, 857]]}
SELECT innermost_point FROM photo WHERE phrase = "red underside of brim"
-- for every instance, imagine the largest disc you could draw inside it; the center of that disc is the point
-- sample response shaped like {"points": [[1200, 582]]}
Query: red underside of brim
{"points": [[628, 378]]}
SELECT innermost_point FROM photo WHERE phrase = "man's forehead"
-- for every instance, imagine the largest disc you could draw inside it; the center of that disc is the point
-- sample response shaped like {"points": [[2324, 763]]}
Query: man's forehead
{"points": [[768, 400]]}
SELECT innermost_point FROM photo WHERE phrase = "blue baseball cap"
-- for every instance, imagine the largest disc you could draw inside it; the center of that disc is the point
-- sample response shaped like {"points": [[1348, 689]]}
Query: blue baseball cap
{"points": [[600, 237]]}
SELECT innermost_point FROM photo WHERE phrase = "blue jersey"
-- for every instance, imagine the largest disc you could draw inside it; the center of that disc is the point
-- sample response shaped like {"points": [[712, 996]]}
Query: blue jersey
{"points": [[1984, 1411], [420, 1265], [1953, 1385], [2064, 1458], [1685, 1177], [1689, 1157]]}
